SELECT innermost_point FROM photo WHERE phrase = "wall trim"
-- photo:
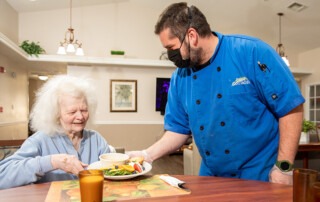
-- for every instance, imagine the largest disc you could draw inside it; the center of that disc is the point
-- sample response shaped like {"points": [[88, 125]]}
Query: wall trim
{"points": [[11, 123], [128, 122]]}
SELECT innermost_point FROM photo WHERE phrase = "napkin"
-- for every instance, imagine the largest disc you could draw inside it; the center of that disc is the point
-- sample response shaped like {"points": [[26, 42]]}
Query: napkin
{"points": [[173, 181]]}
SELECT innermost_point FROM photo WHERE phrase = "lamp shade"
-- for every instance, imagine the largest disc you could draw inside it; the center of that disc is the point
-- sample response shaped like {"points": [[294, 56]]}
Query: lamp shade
{"points": [[43, 78], [61, 50], [285, 59], [79, 51], [70, 48]]}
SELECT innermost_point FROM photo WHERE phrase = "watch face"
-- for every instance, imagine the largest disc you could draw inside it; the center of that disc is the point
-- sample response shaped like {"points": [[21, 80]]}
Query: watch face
{"points": [[284, 165]]}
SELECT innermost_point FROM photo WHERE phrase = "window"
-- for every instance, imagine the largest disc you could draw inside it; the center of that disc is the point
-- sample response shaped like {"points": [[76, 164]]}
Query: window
{"points": [[314, 103]]}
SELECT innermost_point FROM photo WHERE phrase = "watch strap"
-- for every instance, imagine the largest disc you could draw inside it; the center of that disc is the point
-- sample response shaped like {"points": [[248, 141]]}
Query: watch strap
{"points": [[284, 165]]}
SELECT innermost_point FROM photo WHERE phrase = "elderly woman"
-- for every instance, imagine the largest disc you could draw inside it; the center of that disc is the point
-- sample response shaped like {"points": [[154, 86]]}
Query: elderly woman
{"points": [[61, 146]]}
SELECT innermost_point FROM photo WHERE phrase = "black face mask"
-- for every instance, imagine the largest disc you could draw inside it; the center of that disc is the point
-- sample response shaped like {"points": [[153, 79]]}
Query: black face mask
{"points": [[176, 58], [175, 55]]}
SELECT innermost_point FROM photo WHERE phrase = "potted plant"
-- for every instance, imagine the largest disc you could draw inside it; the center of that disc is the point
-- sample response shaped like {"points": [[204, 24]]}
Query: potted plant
{"points": [[307, 127], [32, 48]]}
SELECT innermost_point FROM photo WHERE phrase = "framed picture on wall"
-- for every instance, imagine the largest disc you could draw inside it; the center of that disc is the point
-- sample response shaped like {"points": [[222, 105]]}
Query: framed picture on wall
{"points": [[123, 95]]}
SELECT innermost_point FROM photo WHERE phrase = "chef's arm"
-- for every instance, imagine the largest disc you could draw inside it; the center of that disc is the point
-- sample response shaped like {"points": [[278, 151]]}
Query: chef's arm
{"points": [[169, 143], [290, 131]]}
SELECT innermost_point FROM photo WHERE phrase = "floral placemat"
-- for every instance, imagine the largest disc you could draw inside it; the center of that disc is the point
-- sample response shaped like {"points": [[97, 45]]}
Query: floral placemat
{"points": [[141, 187]]}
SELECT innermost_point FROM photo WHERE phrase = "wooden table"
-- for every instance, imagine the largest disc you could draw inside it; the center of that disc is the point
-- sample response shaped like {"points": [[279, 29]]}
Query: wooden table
{"points": [[305, 149], [202, 189]]}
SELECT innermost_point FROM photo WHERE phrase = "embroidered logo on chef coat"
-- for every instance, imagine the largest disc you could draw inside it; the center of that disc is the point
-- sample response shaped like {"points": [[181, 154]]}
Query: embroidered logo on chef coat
{"points": [[241, 81]]}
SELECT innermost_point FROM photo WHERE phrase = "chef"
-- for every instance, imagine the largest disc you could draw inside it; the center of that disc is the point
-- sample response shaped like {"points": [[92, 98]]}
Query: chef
{"points": [[234, 94]]}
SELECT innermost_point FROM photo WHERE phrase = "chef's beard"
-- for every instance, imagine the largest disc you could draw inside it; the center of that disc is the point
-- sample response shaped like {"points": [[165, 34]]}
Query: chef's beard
{"points": [[195, 56]]}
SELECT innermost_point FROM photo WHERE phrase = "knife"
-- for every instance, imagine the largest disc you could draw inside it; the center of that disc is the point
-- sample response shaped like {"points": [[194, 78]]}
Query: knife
{"points": [[174, 182]]}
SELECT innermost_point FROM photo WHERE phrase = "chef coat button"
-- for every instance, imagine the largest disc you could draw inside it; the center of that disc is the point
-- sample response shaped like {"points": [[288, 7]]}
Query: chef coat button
{"points": [[274, 96], [198, 102], [233, 175], [194, 77], [227, 151], [222, 123], [207, 153], [218, 69], [201, 127], [219, 95]]}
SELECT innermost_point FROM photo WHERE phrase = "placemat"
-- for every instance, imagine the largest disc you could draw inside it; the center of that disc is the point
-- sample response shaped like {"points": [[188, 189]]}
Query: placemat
{"points": [[141, 187]]}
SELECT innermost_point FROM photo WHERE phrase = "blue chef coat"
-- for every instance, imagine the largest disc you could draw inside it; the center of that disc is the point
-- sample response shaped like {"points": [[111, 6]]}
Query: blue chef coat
{"points": [[232, 107]]}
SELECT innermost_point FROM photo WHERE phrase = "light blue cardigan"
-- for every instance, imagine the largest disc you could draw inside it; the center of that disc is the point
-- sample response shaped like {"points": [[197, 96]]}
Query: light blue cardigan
{"points": [[32, 162]]}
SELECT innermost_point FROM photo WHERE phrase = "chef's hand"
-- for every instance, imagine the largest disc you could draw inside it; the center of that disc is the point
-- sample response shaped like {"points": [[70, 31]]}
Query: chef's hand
{"points": [[277, 176], [143, 153], [67, 163]]}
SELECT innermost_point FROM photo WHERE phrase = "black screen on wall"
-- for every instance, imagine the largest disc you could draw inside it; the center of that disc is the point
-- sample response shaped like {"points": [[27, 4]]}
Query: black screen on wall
{"points": [[162, 87]]}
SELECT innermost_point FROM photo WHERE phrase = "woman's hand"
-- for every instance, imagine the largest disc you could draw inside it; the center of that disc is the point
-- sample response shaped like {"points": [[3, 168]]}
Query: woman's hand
{"points": [[67, 163]]}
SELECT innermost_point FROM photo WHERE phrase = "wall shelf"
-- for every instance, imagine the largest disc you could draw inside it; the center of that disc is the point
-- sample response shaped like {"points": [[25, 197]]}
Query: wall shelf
{"points": [[299, 72], [86, 60], [6, 45]]}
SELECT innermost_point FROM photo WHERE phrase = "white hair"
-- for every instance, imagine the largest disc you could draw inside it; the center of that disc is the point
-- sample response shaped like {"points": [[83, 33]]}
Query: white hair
{"points": [[46, 109]]}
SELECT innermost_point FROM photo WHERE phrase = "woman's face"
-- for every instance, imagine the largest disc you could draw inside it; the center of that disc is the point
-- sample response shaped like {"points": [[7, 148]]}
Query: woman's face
{"points": [[73, 113]]}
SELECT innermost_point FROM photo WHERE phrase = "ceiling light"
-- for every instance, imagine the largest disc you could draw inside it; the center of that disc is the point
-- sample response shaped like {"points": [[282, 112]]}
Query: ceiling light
{"points": [[43, 78], [69, 45], [280, 48]]}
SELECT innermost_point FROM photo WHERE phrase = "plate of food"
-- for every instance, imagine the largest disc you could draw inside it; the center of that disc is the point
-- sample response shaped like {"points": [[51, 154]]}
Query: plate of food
{"points": [[134, 167]]}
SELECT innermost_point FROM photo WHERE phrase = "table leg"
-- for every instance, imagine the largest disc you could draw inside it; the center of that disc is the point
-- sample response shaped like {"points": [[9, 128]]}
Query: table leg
{"points": [[305, 159]]}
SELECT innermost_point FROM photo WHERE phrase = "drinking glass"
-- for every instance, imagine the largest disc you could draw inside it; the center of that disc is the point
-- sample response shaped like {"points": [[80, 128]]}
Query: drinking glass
{"points": [[303, 180], [91, 185], [316, 191]]}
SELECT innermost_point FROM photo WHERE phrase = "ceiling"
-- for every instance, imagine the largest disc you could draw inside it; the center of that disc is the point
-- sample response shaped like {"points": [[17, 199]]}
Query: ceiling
{"points": [[300, 29]]}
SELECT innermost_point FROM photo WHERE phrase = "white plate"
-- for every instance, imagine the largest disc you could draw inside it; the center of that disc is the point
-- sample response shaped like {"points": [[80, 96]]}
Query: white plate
{"points": [[97, 165]]}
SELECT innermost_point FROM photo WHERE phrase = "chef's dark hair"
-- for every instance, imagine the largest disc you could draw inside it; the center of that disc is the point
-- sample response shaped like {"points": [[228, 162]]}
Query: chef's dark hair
{"points": [[178, 17]]}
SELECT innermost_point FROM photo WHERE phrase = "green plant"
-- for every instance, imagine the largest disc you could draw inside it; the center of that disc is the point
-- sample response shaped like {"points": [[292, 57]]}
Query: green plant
{"points": [[32, 48], [308, 126]]}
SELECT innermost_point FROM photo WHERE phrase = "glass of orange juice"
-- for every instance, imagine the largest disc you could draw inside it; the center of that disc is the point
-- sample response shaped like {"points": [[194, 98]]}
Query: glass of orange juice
{"points": [[91, 185]]}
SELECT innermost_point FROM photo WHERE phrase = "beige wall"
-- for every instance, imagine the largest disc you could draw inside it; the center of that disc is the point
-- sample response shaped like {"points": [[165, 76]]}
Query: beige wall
{"points": [[146, 95], [8, 21], [14, 100], [124, 25], [309, 60], [13, 83], [130, 136], [34, 85], [112, 26], [132, 130]]}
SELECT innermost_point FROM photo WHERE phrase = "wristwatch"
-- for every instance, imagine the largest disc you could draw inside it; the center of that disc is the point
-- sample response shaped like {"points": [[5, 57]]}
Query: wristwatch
{"points": [[284, 165]]}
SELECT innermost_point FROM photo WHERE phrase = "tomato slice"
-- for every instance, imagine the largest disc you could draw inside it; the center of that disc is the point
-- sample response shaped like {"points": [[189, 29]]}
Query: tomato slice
{"points": [[137, 167]]}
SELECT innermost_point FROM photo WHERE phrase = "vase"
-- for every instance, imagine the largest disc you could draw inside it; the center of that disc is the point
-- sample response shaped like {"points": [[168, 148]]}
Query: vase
{"points": [[304, 138]]}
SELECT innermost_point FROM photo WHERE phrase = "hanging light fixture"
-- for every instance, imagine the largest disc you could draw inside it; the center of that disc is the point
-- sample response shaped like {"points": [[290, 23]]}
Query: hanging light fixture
{"points": [[43, 77], [280, 48], [69, 45]]}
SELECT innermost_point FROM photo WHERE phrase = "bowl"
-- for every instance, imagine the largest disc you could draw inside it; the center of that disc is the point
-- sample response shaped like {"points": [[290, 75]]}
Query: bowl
{"points": [[110, 159]]}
